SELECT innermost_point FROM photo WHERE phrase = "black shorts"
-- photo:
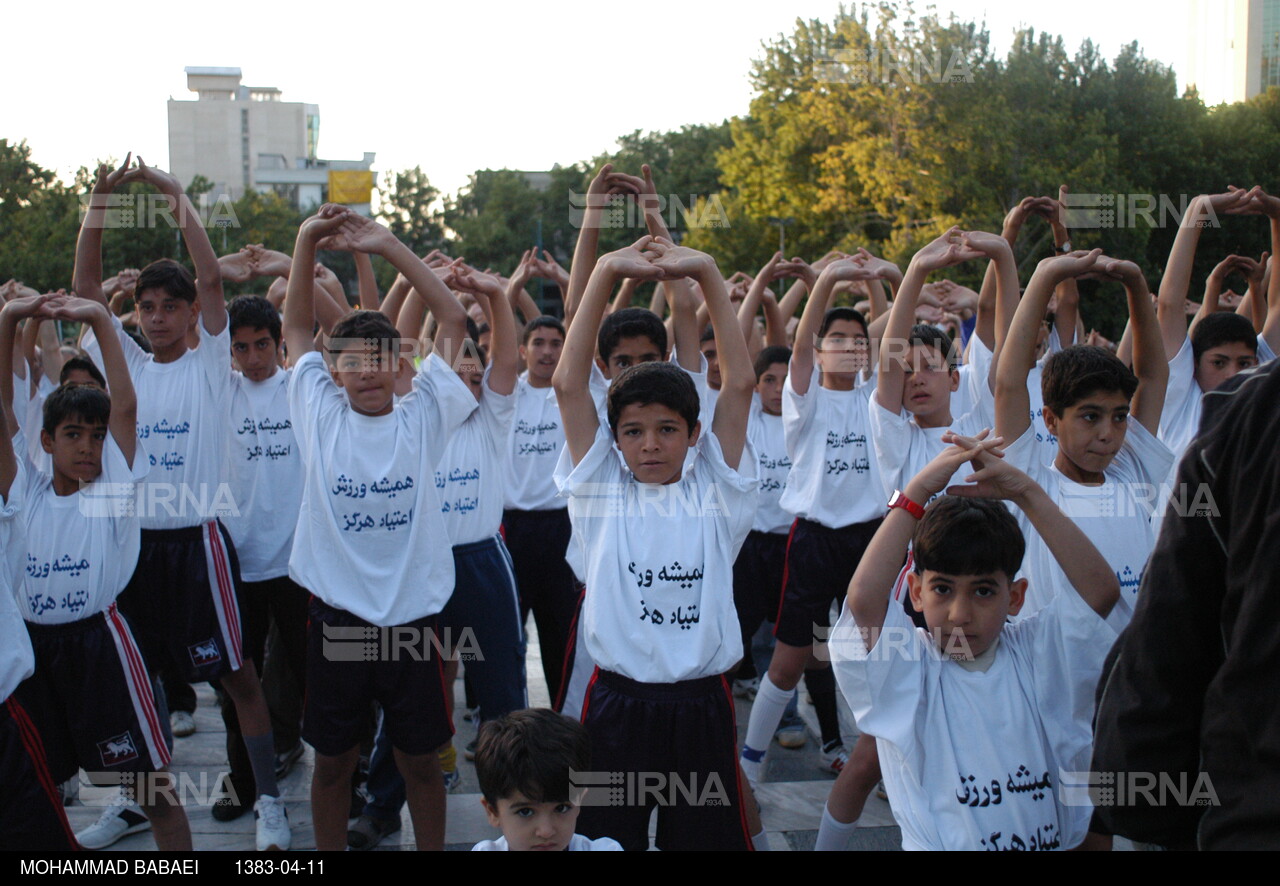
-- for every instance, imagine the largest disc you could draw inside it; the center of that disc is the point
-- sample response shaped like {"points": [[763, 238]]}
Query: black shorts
{"points": [[670, 745], [182, 602], [757, 579], [398, 667], [91, 699], [820, 563], [31, 815]]}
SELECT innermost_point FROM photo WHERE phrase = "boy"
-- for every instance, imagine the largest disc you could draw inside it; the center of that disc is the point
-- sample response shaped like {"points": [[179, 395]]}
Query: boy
{"points": [[834, 491], [266, 471], [1220, 345], [182, 596], [659, 540], [91, 696], [370, 543], [1108, 463], [525, 762], [1003, 708]]}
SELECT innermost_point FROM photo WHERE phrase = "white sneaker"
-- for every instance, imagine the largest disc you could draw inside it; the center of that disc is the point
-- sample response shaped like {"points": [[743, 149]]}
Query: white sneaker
{"points": [[182, 724], [752, 769], [273, 824], [121, 818], [833, 758]]}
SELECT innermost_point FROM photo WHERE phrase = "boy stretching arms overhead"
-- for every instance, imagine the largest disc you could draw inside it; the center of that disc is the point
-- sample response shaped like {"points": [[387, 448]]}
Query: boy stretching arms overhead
{"points": [[371, 544], [974, 718], [659, 543]]}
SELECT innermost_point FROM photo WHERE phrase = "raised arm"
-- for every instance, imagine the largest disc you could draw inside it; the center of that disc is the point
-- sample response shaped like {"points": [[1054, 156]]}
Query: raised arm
{"points": [[1171, 308], [572, 379], [1013, 402], [123, 423], [213, 308], [1269, 205], [606, 184], [738, 379], [299, 303], [27, 307], [1213, 289], [1149, 362], [503, 351], [86, 279]]}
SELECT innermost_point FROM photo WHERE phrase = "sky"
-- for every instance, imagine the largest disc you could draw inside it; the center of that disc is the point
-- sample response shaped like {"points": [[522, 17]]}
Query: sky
{"points": [[451, 87]]}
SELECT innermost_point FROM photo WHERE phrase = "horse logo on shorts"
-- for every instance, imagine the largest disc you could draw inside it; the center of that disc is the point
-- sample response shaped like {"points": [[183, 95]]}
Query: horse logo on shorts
{"points": [[205, 653], [117, 750]]}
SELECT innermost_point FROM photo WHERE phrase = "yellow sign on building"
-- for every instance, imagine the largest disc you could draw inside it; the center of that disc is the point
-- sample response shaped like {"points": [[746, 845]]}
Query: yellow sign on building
{"points": [[350, 185]]}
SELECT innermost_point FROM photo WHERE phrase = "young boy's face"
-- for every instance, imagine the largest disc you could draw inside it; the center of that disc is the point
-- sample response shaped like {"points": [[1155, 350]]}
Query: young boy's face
{"points": [[630, 351], [164, 319], [843, 350], [75, 448], [529, 826], [654, 440], [255, 353], [928, 383], [369, 379], [1220, 364], [769, 387], [541, 353], [1089, 433], [708, 349], [965, 613]]}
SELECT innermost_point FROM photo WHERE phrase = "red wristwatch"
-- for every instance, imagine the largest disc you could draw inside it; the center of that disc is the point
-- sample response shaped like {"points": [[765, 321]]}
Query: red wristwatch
{"points": [[899, 500]]}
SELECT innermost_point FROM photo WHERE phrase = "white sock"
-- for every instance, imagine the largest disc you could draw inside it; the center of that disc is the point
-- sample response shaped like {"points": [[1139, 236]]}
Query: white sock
{"points": [[833, 836], [766, 714], [761, 841]]}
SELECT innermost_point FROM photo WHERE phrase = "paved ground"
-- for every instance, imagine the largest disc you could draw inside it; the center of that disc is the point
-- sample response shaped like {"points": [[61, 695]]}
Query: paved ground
{"points": [[791, 796]]}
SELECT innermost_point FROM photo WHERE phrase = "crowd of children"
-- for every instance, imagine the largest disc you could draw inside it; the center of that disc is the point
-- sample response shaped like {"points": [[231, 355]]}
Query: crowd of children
{"points": [[944, 502]]}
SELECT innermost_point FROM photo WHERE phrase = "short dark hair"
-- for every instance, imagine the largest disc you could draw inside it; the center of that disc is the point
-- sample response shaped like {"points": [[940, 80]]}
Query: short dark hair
{"points": [[373, 329], [473, 331], [655, 382], [630, 323], [968, 536], [170, 276], [933, 337], [91, 405], [1074, 373], [770, 355], [1222, 328], [531, 752], [253, 312], [81, 364], [470, 347], [834, 314], [546, 321], [708, 334]]}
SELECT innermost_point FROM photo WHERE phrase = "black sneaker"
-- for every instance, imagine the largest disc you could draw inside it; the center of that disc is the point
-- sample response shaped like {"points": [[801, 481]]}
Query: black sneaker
{"points": [[230, 802], [285, 761]]}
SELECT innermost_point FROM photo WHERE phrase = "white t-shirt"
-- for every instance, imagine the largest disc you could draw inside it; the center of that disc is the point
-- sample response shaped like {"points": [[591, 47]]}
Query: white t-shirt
{"points": [[975, 378], [659, 560], [469, 477], [266, 475], [183, 413], [973, 759], [767, 437], [17, 661], [577, 843], [904, 448], [1115, 516], [536, 440], [835, 474], [1265, 354], [370, 537], [1180, 418], [81, 549]]}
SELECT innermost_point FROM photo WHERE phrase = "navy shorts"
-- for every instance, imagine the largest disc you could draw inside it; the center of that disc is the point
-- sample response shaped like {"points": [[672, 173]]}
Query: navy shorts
{"points": [[31, 816], [757, 581], [670, 745], [182, 602], [347, 669], [820, 563], [91, 699]]}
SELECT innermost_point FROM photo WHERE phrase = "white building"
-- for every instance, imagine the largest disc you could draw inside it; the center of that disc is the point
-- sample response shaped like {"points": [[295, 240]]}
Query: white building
{"points": [[1233, 49], [245, 138]]}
